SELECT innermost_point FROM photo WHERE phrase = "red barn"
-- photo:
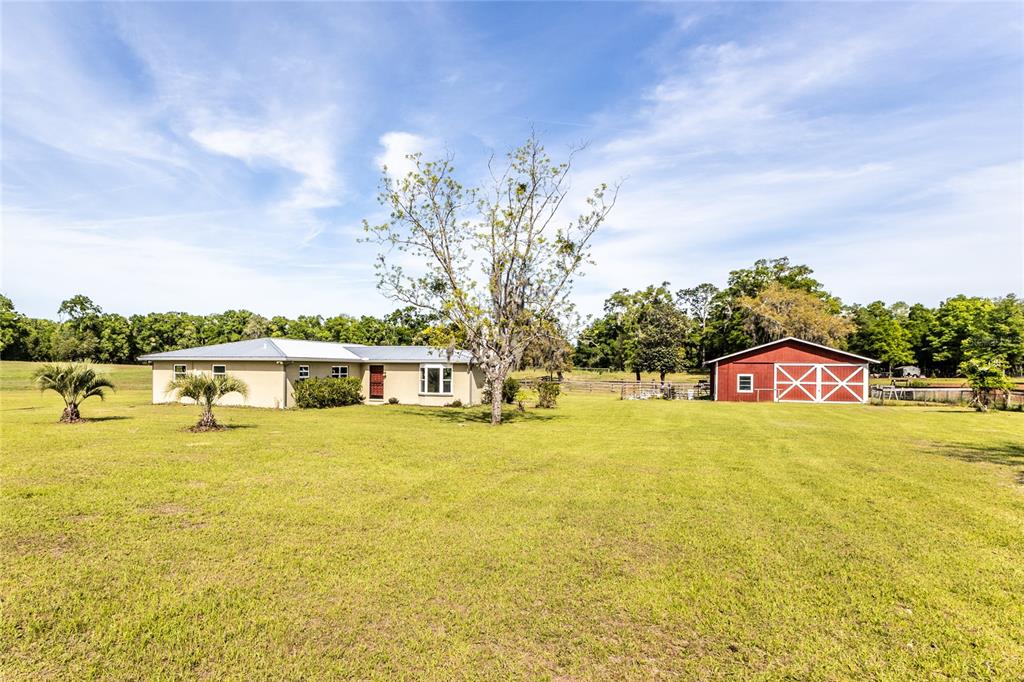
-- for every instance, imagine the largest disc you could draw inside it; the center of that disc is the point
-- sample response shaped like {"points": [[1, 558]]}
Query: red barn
{"points": [[790, 370]]}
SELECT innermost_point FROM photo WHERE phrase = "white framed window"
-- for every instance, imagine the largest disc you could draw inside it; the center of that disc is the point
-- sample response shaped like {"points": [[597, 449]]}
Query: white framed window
{"points": [[339, 372], [220, 370], [744, 383], [436, 379], [179, 371], [303, 372]]}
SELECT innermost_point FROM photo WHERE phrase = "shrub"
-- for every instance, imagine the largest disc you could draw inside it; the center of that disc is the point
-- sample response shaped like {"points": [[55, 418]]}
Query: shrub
{"points": [[547, 393], [320, 392], [509, 391], [392, 400], [454, 403], [987, 380]]}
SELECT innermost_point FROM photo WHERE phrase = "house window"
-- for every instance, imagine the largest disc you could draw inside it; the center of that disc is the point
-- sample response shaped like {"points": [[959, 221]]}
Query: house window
{"points": [[179, 371], [339, 372], [744, 383], [435, 379], [303, 372], [220, 370]]}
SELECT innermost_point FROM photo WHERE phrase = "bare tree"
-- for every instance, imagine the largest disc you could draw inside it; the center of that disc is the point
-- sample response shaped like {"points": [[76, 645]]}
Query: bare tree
{"points": [[499, 262]]}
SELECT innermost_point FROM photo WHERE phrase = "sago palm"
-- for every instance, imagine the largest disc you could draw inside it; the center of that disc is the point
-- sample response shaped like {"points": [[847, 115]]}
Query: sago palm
{"points": [[206, 390], [74, 382]]}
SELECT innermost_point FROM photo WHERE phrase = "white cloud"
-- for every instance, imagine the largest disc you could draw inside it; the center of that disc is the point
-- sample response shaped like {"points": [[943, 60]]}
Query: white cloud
{"points": [[302, 147], [397, 146], [739, 153]]}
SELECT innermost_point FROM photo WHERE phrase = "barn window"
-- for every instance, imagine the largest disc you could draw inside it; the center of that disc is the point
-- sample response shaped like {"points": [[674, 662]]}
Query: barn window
{"points": [[339, 372], [435, 379], [744, 383], [303, 372], [179, 371], [220, 370]]}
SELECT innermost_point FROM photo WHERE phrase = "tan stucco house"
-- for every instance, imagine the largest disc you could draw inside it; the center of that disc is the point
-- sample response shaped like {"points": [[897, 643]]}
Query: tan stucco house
{"points": [[417, 375]]}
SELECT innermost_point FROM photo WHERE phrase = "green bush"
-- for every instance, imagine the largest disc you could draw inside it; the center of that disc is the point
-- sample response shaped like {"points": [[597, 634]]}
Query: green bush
{"points": [[454, 403], [328, 392], [392, 400], [509, 391], [547, 393]]}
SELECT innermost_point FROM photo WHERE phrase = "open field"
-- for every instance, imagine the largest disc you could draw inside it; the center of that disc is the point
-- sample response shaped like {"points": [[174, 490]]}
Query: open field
{"points": [[604, 539]]}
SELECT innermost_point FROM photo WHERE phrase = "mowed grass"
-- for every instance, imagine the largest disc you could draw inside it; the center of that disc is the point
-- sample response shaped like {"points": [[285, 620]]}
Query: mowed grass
{"points": [[603, 539]]}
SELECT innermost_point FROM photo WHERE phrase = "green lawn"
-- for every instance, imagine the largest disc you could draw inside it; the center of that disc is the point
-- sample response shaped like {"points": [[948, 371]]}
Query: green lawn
{"points": [[604, 539]]}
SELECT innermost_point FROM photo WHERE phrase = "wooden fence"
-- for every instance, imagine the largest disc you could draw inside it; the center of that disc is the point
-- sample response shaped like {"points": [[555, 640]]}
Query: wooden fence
{"points": [[936, 394], [632, 390]]}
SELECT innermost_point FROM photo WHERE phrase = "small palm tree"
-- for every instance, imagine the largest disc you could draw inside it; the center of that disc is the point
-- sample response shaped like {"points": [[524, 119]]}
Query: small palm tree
{"points": [[206, 390], [74, 382]]}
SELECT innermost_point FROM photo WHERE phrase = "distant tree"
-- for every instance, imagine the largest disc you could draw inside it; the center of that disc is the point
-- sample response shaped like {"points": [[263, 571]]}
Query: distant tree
{"points": [[550, 351], [660, 332], [11, 325], [986, 379], [115, 341], [920, 319], [602, 344], [256, 327], [956, 320], [77, 338], [699, 303], [778, 312], [731, 326], [496, 262], [78, 307], [74, 383], [206, 390], [879, 333], [999, 335]]}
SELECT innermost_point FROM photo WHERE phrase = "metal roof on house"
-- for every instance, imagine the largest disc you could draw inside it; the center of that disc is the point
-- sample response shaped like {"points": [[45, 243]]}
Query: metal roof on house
{"points": [[791, 338], [283, 350]]}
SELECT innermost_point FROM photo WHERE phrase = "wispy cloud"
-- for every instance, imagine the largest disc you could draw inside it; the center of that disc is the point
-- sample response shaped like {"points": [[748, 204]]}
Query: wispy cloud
{"points": [[862, 142]]}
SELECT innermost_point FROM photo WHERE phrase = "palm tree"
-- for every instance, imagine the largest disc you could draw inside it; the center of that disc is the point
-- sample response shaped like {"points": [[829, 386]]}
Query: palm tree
{"points": [[74, 382], [206, 390]]}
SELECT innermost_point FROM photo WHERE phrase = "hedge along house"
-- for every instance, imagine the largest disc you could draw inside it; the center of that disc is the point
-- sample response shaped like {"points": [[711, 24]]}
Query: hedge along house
{"points": [[790, 370], [271, 368]]}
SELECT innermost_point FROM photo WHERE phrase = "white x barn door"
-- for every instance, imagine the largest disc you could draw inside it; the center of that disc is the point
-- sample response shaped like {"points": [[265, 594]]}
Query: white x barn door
{"points": [[820, 383]]}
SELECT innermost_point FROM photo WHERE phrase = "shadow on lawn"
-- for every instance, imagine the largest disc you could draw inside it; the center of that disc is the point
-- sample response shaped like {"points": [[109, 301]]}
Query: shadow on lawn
{"points": [[476, 415], [1008, 454], [108, 418]]}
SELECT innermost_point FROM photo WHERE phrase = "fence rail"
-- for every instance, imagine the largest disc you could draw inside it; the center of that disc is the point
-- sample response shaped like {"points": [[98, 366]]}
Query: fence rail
{"points": [[632, 390], [934, 394]]}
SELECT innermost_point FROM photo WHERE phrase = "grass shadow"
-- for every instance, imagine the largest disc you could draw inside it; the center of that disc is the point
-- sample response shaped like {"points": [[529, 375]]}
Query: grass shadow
{"points": [[477, 415], [1008, 454], [110, 418]]}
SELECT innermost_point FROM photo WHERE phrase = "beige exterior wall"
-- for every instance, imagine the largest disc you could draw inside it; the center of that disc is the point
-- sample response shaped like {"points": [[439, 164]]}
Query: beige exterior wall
{"points": [[316, 370], [264, 379], [272, 384], [402, 381]]}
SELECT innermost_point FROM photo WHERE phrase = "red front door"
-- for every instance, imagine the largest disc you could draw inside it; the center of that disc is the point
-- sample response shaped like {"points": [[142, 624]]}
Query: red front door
{"points": [[376, 382]]}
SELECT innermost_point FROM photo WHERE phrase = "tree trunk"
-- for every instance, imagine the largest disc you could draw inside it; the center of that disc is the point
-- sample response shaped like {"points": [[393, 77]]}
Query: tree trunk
{"points": [[496, 397], [207, 422], [637, 372], [662, 377], [71, 414]]}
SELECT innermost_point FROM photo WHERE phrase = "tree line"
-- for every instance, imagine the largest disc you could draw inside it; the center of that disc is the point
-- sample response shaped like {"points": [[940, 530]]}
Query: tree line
{"points": [[654, 329], [84, 332], [659, 330]]}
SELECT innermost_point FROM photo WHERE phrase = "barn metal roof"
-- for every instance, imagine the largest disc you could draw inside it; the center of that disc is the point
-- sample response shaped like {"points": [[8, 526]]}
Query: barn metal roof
{"points": [[286, 350], [791, 338]]}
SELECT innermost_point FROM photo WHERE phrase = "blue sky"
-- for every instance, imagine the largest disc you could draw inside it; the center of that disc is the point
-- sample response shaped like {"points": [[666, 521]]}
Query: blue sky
{"points": [[202, 157]]}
